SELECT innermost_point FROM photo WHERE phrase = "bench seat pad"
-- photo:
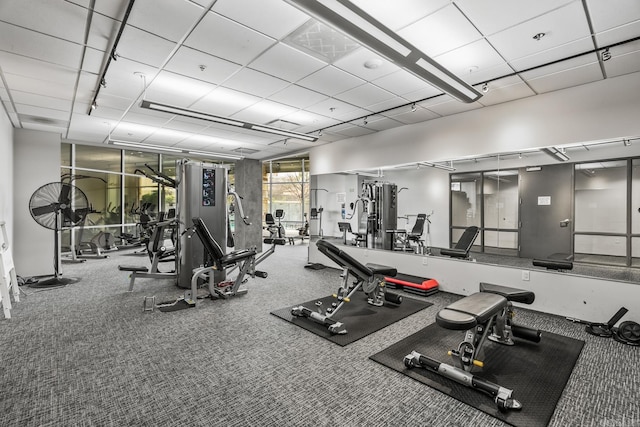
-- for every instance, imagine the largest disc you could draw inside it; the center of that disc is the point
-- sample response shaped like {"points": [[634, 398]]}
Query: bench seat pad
{"points": [[470, 311], [237, 256], [512, 294], [382, 269]]}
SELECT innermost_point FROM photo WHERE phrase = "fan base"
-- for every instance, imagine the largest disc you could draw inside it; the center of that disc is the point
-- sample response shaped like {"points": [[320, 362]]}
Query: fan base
{"points": [[54, 281]]}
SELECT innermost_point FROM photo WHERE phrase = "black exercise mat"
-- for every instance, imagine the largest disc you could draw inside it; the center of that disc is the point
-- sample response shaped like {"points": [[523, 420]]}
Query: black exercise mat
{"points": [[360, 318], [537, 373]]}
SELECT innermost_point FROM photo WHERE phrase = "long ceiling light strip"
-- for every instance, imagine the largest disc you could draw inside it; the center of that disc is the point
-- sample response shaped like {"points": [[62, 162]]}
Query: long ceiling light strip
{"points": [[150, 105], [173, 149], [356, 23]]}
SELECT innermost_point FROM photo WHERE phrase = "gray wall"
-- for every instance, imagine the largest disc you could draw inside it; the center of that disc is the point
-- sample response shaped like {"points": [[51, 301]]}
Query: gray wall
{"points": [[248, 178], [6, 172], [36, 162]]}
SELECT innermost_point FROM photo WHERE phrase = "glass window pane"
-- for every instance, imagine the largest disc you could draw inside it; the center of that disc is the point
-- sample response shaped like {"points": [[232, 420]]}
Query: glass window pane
{"points": [[635, 251], [98, 158], [498, 241], [140, 196], [288, 197], [465, 199], [501, 199], [600, 249], [134, 159], [103, 193], [65, 154], [635, 197], [601, 197]]}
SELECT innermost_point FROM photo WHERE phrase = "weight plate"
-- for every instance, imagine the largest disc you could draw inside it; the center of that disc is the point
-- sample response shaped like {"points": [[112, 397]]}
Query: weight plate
{"points": [[629, 331]]}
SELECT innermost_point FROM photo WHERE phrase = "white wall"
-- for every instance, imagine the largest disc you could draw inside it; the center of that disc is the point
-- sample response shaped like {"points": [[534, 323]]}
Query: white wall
{"points": [[603, 110], [563, 294], [6, 172], [36, 162]]}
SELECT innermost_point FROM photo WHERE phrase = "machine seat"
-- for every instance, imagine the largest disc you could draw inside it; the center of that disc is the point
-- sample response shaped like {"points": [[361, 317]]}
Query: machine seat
{"points": [[135, 268], [237, 256], [511, 294], [470, 311]]}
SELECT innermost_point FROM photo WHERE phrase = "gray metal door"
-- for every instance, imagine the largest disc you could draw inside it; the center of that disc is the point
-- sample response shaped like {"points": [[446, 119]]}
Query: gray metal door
{"points": [[546, 199]]}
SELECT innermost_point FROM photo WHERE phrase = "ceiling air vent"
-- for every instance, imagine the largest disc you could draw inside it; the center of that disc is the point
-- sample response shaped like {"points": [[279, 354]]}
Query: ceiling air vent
{"points": [[321, 41]]}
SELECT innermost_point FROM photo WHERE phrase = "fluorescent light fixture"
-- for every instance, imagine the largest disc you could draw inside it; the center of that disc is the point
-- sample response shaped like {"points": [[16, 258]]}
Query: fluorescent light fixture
{"points": [[359, 25], [219, 155], [557, 153], [144, 146], [225, 121]]}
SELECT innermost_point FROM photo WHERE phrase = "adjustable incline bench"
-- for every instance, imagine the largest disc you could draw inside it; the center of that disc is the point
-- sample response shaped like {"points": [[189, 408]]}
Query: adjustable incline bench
{"points": [[369, 277], [462, 248], [486, 314]]}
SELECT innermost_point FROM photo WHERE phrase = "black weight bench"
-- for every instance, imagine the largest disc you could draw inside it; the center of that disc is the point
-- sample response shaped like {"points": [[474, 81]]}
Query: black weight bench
{"points": [[553, 264], [464, 244], [486, 314], [369, 278]]}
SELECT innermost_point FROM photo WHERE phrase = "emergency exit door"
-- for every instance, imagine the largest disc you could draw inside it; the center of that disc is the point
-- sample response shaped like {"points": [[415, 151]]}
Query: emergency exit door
{"points": [[546, 206]]}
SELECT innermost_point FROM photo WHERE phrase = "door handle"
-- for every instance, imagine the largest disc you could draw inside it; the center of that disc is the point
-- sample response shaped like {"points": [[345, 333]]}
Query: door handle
{"points": [[565, 222]]}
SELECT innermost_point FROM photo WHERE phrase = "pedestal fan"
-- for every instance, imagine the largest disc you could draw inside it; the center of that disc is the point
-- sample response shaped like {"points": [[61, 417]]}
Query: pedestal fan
{"points": [[57, 206]]}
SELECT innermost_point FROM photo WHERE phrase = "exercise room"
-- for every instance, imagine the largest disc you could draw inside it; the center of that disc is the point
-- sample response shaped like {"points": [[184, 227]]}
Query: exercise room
{"points": [[314, 212]]}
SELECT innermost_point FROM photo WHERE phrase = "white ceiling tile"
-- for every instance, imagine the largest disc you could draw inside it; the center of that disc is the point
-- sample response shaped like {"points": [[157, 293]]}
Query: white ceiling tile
{"points": [[226, 39], [33, 99], [567, 78], [167, 136], [45, 17], [624, 60], [171, 19], [298, 97], [39, 46], [173, 89], [492, 16], [103, 32], [333, 108], [255, 83], [394, 102], [561, 27], [299, 64], [188, 62], [610, 14], [144, 47], [507, 89], [379, 123], [36, 111], [471, 59], [405, 115], [115, 102], [274, 18], [553, 54], [186, 124], [122, 80], [113, 9], [365, 64], [441, 32], [32, 68], [92, 61], [618, 34], [351, 131], [224, 102], [486, 74], [365, 95], [445, 105], [263, 112], [142, 118], [399, 13], [559, 67], [330, 81], [62, 90], [401, 82]]}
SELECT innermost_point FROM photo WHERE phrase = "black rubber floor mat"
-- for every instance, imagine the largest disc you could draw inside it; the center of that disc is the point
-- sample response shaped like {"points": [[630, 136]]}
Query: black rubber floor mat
{"points": [[537, 373], [360, 318]]}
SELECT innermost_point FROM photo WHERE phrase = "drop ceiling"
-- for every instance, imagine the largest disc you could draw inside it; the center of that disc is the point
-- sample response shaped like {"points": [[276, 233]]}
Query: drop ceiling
{"points": [[250, 60]]}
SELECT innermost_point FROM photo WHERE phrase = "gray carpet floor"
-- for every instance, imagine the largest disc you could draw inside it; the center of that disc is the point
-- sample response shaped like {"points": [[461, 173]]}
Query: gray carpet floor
{"points": [[87, 355]]}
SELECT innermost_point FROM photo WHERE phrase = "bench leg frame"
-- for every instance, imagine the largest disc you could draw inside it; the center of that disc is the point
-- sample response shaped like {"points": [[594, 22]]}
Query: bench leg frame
{"points": [[503, 397]]}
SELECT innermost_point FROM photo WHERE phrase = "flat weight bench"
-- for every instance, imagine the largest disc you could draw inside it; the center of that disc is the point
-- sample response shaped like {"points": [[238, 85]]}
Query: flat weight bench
{"points": [[369, 277], [486, 314]]}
